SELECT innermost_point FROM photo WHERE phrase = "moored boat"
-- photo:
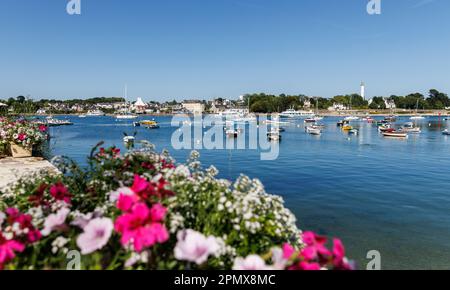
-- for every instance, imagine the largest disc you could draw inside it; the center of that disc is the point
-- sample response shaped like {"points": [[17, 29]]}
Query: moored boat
{"points": [[341, 123], [313, 130], [395, 134], [409, 127], [347, 128], [274, 136]]}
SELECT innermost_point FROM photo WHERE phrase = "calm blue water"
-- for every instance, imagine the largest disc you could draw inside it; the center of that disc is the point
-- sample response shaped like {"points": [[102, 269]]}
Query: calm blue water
{"points": [[375, 193]]}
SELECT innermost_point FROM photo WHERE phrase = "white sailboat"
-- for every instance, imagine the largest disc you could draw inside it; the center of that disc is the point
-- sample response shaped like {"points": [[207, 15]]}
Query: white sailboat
{"points": [[126, 115], [417, 116]]}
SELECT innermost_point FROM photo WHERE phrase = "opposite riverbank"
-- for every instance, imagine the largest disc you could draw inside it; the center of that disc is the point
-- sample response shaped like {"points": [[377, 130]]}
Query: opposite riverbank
{"points": [[381, 113]]}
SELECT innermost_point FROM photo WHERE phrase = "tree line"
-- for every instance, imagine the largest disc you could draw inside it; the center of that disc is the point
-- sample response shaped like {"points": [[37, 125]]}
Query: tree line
{"points": [[267, 103]]}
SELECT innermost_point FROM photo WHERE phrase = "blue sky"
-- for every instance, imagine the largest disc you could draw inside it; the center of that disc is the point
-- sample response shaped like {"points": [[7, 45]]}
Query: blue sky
{"points": [[165, 49]]}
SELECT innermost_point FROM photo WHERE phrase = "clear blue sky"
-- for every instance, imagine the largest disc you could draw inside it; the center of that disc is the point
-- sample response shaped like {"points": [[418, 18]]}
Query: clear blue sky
{"points": [[165, 49]]}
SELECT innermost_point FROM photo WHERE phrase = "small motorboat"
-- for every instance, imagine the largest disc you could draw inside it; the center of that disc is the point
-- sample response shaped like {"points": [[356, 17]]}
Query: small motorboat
{"points": [[351, 118], [82, 116], [395, 134], [310, 120], [446, 132], [313, 130], [386, 129], [353, 132], [390, 119], [232, 133], [52, 122], [150, 124], [347, 128], [369, 120], [129, 139], [383, 123], [417, 117], [136, 124], [409, 127], [341, 123], [274, 136]]}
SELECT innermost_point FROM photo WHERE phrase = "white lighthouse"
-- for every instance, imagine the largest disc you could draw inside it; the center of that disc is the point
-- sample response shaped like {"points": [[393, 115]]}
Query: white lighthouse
{"points": [[363, 90]]}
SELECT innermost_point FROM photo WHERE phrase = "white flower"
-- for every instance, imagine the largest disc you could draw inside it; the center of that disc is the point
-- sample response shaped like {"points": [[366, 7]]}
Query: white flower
{"points": [[278, 260], [2, 218], [55, 220], [114, 195], [251, 263], [193, 246], [96, 235], [183, 171]]}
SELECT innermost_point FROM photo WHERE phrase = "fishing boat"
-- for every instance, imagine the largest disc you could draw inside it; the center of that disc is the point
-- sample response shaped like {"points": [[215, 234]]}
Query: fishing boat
{"points": [[446, 132], [410, 127], [313, 130], [395, 134]]}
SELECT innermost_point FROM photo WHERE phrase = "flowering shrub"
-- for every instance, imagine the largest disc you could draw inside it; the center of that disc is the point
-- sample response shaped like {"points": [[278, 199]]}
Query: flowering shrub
{"points": [[22, 132], [142, 211]]}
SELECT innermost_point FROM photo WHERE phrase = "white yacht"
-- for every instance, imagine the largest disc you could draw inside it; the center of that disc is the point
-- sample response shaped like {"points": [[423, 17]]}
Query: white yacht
{"points": [[126, 116], [351, 118], [95, 113], [291, 113]]}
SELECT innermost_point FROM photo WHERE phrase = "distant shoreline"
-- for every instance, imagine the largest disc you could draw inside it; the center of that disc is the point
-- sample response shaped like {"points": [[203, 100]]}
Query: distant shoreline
{"points": [[434, 113]]}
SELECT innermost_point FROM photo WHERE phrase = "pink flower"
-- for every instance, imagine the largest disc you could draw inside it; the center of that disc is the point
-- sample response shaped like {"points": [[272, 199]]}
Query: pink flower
{"points": [[54, 221], [126, 202], [22, 137], [60, 192], [251, 263], [340, 262], [114, 195], [315, 246], [288, 251], [8, 249], [158, 212], [193, 246], [138, 228], [96, 235], [42, 128], [140, 184], [309, 266]]}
